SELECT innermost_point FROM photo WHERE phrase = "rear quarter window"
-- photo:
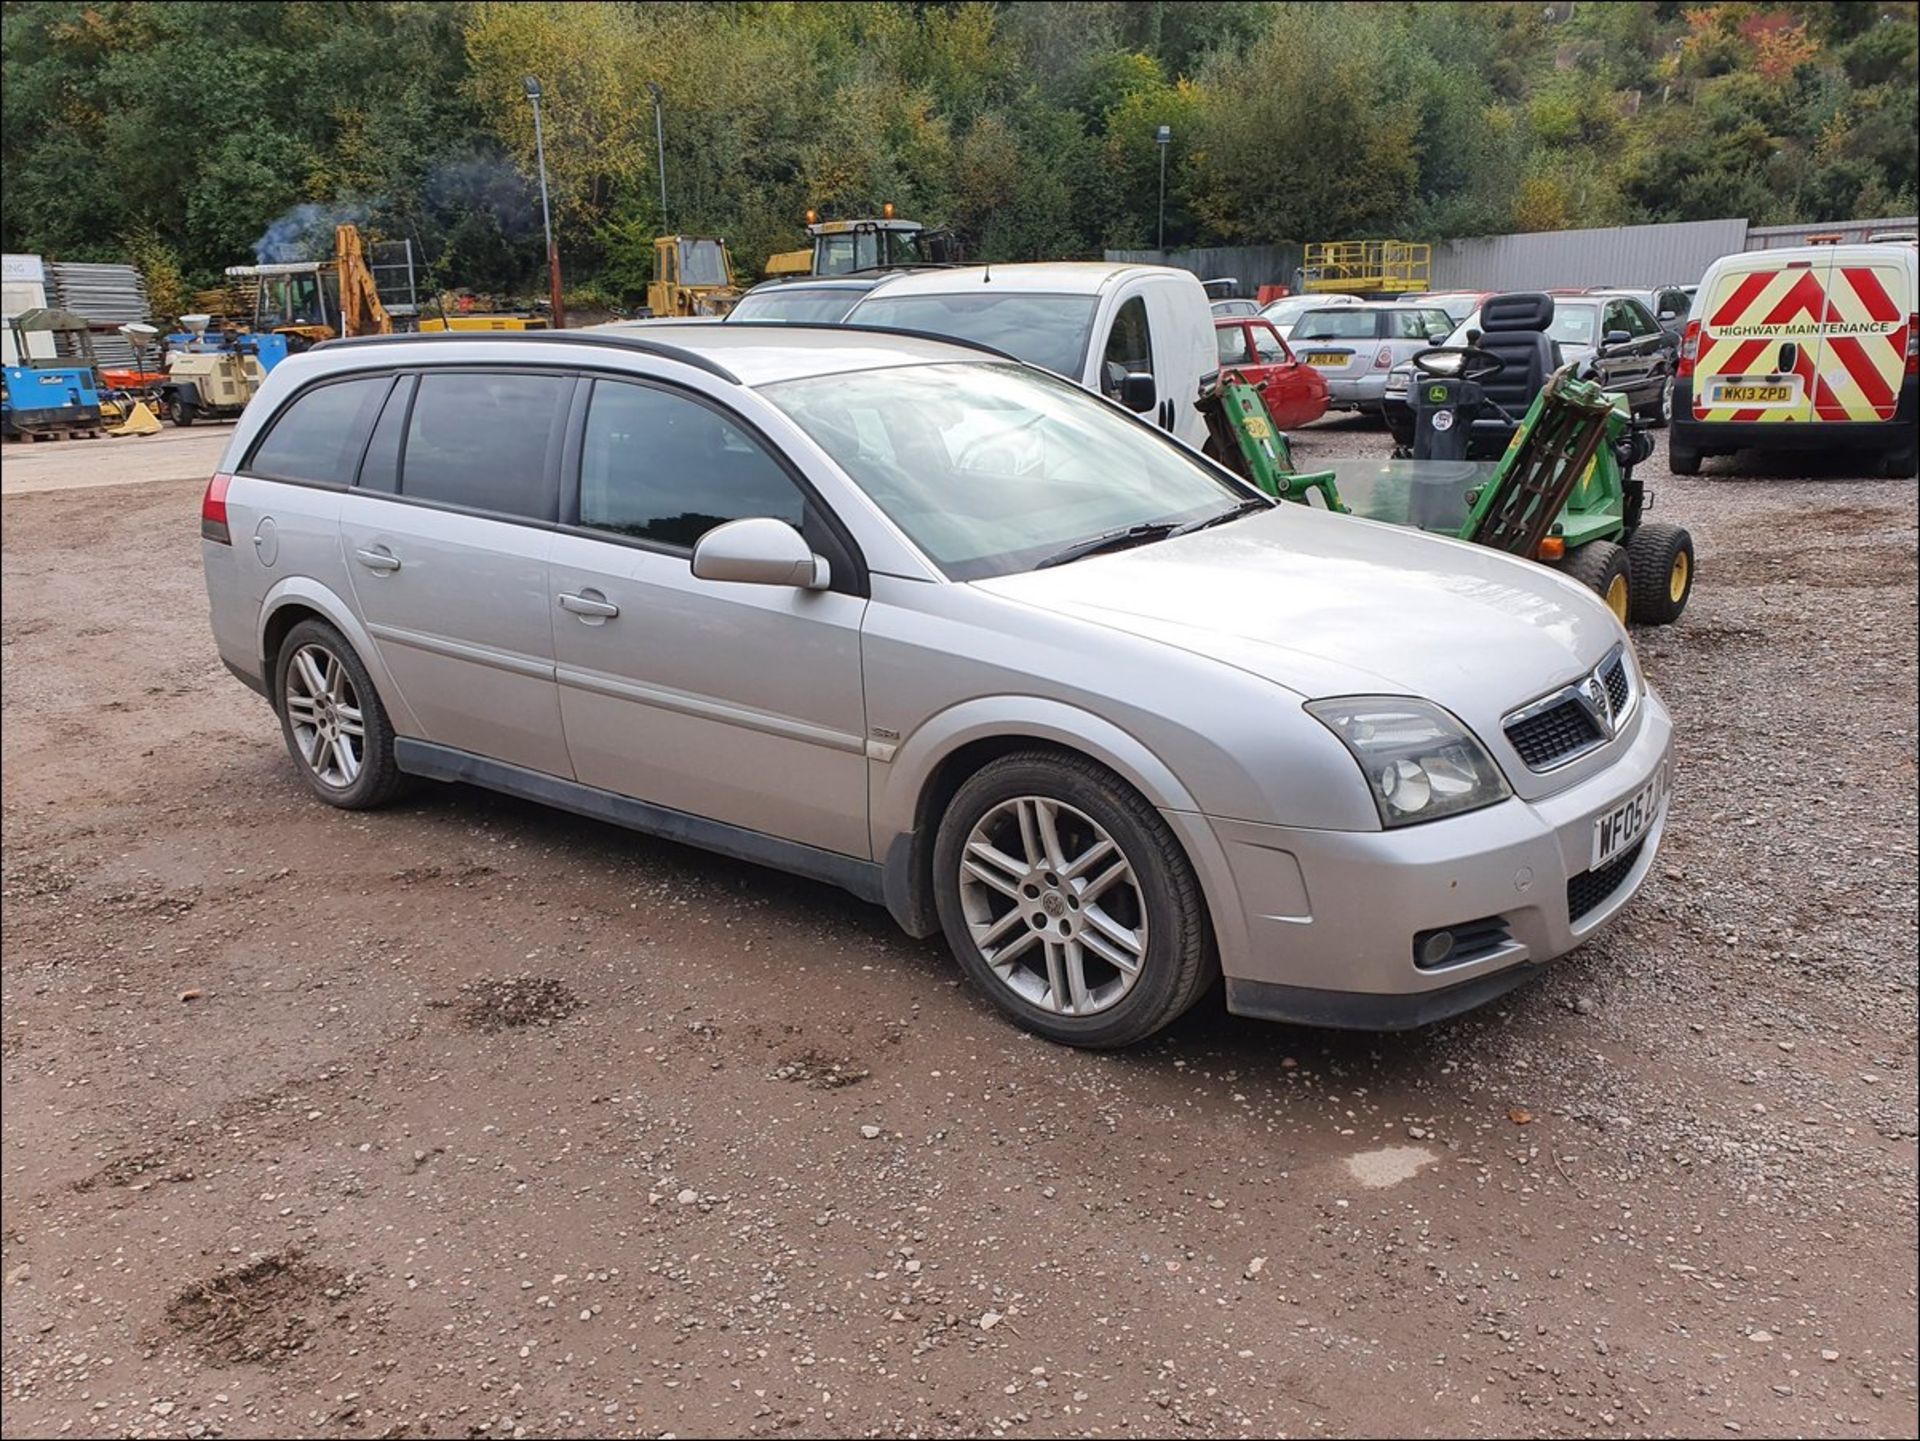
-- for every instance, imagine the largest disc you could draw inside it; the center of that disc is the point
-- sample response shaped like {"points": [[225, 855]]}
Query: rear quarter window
{"points": [[315, 437]]}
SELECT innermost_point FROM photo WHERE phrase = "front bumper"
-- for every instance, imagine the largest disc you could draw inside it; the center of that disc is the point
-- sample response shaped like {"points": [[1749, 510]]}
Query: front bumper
{"points": [[1328, 920]]}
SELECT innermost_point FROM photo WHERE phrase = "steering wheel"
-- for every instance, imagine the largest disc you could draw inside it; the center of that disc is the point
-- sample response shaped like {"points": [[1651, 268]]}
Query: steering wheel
{"points": [[1475, 363]]}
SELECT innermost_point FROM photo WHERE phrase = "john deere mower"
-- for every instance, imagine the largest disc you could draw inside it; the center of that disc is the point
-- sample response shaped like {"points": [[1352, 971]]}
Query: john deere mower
{"points": [[1563, 493]]}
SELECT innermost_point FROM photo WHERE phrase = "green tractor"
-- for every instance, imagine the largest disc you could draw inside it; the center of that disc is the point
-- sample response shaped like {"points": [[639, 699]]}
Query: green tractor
{"points": [[1562, 494]]}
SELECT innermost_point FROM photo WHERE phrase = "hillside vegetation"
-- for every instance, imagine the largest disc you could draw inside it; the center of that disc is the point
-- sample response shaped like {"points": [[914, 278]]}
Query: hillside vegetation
{"points": [[188, 134]]}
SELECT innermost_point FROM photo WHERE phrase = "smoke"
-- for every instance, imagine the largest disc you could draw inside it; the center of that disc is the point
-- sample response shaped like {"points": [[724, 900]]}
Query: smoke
{"points": [[306, 231], [484, 183]]}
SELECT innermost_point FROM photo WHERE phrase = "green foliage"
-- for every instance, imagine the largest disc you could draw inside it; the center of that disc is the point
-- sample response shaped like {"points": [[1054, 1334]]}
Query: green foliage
{"points": [[185, 133]]}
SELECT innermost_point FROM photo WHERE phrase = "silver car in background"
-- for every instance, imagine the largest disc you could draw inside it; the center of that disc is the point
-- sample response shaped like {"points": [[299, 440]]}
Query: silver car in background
{"points": [[954, 634], [1356, 346]]}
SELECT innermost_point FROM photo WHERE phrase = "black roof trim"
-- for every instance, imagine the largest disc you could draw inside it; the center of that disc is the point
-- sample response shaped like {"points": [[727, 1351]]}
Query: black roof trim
{"points": [[616, 341]]}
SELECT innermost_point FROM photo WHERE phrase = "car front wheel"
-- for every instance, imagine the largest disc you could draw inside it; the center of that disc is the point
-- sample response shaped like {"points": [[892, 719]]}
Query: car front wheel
{"points": [[1069, 902]]}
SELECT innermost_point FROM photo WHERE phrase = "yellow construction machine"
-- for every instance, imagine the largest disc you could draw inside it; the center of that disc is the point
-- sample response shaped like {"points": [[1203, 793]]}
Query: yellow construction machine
{"points": [[691, 276], [309, 301]]}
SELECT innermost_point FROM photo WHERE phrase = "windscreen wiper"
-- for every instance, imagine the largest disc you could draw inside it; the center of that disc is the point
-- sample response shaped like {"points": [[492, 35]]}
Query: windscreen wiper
{"points": [[1121, 539], [1245, 507]]}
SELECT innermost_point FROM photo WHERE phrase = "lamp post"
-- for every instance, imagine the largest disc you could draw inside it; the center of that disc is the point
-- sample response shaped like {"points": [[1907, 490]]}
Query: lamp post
{"points": [[546, 211], [1162, 137], [660, 144]]}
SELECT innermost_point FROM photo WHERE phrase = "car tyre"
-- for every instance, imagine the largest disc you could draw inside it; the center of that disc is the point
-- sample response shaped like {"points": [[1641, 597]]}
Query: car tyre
{"points": [[1901, 465], [1660, 571], [1660, 414], [335, 727], [1047, 869], [1681, 460], [1603, 568]]}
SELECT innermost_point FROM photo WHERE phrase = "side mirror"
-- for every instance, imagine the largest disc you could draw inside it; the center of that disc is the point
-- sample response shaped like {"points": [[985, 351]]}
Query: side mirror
{"points": [[1438, 334], [1668, 315], [759, 551], [1137, 392], [1473, 337], [1615, 339]]}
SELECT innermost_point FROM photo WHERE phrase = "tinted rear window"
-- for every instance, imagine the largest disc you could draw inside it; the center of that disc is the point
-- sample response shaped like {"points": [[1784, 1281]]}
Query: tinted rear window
{"points": [[313, 438], [480, 440], [1347, 323]]}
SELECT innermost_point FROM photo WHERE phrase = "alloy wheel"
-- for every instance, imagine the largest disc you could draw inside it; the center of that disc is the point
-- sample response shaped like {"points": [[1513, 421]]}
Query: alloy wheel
{"points": [[1053, 906], [323, 710]]}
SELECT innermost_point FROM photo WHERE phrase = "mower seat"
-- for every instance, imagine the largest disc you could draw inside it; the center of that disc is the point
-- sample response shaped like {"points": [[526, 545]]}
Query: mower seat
{"points": [[1514, 327]]}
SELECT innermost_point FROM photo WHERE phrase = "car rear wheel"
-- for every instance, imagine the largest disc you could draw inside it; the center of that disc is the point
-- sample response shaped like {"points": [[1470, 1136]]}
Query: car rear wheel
{"points": [[1660, 572], [1602, 567], [1068, 901], [1660, 413], [335, 727], [1681, 460]]}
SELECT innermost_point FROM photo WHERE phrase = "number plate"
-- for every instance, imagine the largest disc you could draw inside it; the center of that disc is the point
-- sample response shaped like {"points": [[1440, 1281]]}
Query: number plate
{"points": [[1754, 394], [1326, 357], [1619, 828]]}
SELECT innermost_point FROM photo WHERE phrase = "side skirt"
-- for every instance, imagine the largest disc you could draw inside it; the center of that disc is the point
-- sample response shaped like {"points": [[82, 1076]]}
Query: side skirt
{"points": [[443, 763]]}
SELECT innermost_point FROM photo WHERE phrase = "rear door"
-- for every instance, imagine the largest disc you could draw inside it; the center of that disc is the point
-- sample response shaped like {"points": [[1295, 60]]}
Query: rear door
{"points": [[1759, 337], [446, 539], [1183, 351], [1862, 358]]}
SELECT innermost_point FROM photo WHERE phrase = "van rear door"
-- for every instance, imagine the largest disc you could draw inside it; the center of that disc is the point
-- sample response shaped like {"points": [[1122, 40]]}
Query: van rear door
{"points": [[1863, 354], [1760, 332]]}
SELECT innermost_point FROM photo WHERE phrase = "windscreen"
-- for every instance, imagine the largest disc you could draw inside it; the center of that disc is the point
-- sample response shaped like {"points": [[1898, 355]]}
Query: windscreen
{"points": [[797, 306], [702, 262], [1045, 330], [992, 468]]}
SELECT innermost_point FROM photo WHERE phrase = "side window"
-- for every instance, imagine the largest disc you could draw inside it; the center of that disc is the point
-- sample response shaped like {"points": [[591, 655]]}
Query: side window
{"points": [[380, 470], [479, 439], [1129, 347], [1268, 345], [1615, 319], [311, 439], [1639, 321], [664, 468], [1232, 340]]}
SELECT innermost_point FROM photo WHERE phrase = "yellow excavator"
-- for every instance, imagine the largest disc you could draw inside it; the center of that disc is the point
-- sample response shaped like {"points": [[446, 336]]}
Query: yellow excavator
{"points": [[309, 301], [691, 276]]}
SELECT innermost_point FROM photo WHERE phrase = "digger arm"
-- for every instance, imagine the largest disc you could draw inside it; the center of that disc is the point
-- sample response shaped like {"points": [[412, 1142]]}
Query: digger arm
{"points": [[361, 312]]}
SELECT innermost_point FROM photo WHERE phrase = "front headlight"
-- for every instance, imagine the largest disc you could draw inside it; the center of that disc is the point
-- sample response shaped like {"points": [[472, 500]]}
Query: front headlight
{"points": [[1420, 763]]}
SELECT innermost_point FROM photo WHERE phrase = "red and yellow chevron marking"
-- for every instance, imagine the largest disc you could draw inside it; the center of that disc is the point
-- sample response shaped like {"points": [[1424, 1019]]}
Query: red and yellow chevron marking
{"points": [[1831, 337]]}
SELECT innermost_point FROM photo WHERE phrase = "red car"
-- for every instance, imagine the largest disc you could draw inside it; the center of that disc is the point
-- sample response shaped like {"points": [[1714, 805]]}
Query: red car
{"points": [[1294, 393]]}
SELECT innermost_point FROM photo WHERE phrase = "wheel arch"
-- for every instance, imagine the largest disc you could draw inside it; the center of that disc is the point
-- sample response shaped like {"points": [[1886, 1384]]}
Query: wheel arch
{"points": [[299, 598]]}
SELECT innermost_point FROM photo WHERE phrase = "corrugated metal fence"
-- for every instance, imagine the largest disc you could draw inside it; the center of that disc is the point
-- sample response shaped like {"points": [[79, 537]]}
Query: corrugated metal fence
{"points": [[1616, 255], [1252, 265], [1632, 255]]}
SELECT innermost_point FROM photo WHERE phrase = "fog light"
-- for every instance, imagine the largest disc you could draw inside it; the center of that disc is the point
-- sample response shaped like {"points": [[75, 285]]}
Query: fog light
{"points": [[1435, 949]]}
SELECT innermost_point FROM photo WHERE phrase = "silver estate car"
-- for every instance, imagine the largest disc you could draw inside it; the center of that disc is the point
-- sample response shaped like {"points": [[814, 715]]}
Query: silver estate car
{"points": [[951, 633]]}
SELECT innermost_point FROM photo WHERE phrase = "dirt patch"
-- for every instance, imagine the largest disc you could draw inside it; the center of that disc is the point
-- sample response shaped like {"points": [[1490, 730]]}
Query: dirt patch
{"points": [[258, 1314], [506, 1004], [1830, 568], [453, 875], [818, 1071], [145, 1168]]}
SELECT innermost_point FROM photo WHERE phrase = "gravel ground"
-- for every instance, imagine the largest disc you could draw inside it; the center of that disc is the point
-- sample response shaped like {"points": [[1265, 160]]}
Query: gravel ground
{"points": [[474, 1119]]}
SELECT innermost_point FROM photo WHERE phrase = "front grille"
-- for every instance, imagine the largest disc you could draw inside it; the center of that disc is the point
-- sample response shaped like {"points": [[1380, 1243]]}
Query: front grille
{"points": [[1472, 940], [1553, 735], [1614, 677], [1591, 889]]}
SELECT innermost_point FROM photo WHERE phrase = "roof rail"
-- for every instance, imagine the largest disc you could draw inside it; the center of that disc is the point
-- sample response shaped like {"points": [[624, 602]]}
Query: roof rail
{"points": [[615, 340], [874, 330]]}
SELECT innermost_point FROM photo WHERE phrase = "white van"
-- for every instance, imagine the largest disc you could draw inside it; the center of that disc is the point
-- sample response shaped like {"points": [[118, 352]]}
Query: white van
{"points": [[1094, 323], [1810, 348]]}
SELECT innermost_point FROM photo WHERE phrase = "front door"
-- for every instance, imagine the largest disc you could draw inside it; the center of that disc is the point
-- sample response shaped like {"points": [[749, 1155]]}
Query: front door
{"points": [[446, 541], [739, 703]]}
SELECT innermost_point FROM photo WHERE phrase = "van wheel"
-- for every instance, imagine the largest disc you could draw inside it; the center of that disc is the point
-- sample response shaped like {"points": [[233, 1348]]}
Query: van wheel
{"points": [[1682, 461], [1068, 901], [1659, 573], [1901, 465], [335, 727], [1602, 567]]}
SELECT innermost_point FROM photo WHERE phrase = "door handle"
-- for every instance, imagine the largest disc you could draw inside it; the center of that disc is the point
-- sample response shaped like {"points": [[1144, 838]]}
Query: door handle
{"points": [[589, 603], [378, 559]]}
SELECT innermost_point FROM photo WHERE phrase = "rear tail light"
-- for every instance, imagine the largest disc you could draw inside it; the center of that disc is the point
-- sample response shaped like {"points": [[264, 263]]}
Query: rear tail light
{"points": [[1913, 345], [1384, 360], [1690, 350], [213, 511]]}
